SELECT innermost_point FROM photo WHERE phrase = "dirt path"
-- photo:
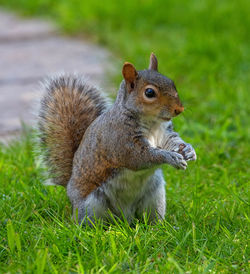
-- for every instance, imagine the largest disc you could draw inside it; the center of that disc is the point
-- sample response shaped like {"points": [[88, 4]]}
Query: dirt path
{"points": [[30, 50]]}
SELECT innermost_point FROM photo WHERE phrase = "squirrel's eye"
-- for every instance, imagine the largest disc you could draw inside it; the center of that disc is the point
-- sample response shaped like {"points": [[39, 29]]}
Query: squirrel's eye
{"points": [[150, 93]]}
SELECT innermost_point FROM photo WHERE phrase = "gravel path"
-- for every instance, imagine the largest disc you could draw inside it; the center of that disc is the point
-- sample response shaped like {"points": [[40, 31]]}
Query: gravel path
{"points": [[30, 50]]}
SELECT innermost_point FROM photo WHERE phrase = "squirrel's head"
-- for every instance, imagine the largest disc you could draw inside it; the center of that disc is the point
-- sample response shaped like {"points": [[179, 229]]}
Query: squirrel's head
{"points": [[150, 92]]}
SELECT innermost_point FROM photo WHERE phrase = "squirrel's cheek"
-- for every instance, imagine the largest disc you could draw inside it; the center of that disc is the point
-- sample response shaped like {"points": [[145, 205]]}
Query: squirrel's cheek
{"points": [[154, 110]]}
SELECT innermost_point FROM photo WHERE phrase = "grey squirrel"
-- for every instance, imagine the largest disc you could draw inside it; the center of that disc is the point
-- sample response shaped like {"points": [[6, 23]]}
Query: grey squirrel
{"points": [[109, 158]]}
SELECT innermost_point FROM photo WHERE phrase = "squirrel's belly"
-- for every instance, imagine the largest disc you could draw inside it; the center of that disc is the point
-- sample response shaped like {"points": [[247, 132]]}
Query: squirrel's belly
{"points": [[126, 189]]}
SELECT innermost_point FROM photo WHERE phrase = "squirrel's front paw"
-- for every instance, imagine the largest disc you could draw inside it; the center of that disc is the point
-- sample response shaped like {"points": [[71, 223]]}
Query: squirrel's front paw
{"points": [[176, 160], [187, 151]]}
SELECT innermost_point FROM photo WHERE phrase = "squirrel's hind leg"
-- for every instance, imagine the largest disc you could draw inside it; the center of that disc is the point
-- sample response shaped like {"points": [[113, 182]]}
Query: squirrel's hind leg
{"points": [[93, 207], [153, 202], [88, 209]]}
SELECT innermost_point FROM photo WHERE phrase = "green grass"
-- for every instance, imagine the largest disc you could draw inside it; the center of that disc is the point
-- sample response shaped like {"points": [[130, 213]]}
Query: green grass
{"points": [[204, 47]]}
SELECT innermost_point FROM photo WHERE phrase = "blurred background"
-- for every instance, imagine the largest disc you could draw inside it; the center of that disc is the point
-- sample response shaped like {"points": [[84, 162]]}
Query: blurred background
{"points": [[30, 50]]}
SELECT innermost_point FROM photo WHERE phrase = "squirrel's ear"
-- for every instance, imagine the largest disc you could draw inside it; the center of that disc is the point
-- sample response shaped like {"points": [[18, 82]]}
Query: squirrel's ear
{"points": [[129, 73], [153, 63]]}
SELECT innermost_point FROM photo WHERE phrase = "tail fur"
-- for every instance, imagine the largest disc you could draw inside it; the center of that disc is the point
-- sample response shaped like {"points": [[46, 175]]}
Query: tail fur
{"points": [[68, 107]]}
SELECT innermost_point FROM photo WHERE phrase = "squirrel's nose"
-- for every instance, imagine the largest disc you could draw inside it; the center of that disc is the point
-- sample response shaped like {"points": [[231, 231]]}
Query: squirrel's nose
{"points": [[178, 110]]}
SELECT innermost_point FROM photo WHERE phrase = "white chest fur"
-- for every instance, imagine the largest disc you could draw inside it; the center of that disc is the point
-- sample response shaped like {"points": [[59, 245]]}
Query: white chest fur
{"points": [[125, 191]]}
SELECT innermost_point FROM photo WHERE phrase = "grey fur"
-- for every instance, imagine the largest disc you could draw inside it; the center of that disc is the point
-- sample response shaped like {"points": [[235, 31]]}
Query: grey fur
{"points": [[116, 167], [132, 193]]}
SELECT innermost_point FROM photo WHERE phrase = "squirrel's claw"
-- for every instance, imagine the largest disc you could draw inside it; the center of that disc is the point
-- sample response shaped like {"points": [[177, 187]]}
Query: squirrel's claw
{"points": [[177, 161], [188, 153]]}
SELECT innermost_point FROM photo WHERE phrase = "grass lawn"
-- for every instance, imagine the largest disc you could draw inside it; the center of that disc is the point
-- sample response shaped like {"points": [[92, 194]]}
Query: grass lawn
{"points": [[204, 47]]}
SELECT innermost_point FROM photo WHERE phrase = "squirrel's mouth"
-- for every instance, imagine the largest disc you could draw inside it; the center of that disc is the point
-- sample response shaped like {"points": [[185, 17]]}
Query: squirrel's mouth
{"points": [[165, 118], [165, 115]]}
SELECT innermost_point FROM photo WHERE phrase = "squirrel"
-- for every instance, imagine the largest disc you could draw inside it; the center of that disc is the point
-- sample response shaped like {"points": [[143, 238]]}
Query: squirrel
{"points": [[109, 157]]}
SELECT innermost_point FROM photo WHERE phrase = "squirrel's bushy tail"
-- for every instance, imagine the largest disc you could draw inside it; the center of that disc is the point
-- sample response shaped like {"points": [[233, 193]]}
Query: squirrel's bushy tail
{"points": [[68, 107]]}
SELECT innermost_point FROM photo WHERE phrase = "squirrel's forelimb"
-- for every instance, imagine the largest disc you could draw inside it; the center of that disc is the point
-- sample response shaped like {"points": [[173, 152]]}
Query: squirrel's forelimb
{"points": [[165, 137]]}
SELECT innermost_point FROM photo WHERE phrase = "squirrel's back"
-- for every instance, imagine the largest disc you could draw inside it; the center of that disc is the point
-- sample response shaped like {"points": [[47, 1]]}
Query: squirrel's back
{"points": [[68, 107]]}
